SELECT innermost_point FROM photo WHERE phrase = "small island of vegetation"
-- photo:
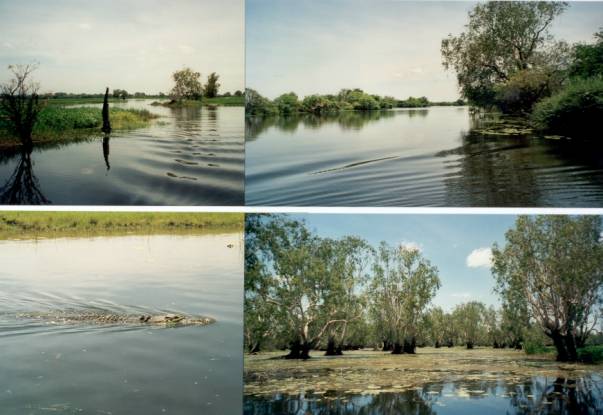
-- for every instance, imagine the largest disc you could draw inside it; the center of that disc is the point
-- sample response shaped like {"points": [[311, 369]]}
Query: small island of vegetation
{"points": [[345, 100], [188, 91]]}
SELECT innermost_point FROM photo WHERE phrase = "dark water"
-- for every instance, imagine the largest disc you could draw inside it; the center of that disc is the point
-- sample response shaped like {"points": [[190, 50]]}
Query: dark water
{"points": [[190, 156], [537, 395], [414, 157], [69, 369]]}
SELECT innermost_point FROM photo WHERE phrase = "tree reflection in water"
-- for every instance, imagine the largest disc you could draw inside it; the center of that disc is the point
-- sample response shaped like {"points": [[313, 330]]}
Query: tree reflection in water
{"points": [[538, 395], [22, 187], [346, 120]]}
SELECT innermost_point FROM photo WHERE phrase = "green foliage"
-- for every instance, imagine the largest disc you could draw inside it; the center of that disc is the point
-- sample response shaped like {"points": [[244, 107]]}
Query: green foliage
{"points": [[554, 265], [60, 119], [31, 225], [575, 111], [525, 88], [287, 103], [470, 323], [413, 102], [588, 59], [187, 85], [212, 86], [402, 286], [255, 104], [501, 39], [591, 354]]}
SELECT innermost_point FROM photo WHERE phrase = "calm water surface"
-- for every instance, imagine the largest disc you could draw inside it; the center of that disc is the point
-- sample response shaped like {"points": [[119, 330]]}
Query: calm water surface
{"points": [[414, 157], [53, 368], [537, 395], [189, 156]]}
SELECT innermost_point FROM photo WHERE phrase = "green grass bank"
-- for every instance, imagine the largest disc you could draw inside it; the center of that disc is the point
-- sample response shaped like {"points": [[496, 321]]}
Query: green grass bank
{"points": [[34, 225], [57, 124]]}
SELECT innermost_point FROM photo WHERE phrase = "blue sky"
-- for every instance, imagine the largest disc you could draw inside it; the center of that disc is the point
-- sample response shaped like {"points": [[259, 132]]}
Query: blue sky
{"points": [[448, 241], [85, 45], [384, 47]]}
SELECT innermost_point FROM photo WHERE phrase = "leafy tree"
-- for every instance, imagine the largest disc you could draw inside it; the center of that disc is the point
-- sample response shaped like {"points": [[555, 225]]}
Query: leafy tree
{"points": [[187, 85], [345, 262], [502, 38], [255, 104], [555, 263], [212, 85], [238, 93], [20, 104], [470, 322], [525, 88], [120, 93], [304, 282], [588, 59], [402, 286], [287, 103]]}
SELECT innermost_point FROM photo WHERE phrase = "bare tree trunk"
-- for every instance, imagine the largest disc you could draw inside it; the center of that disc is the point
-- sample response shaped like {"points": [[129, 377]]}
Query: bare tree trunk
{"points": [[106, 123]]}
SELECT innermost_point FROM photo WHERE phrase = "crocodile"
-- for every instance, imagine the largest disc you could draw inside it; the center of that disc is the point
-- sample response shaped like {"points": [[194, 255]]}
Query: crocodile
{"points": [[168, 320]]}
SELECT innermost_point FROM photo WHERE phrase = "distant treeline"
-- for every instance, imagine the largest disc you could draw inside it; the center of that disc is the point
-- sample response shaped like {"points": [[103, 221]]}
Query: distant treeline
{"points": [[120, 93], [345, 100]]}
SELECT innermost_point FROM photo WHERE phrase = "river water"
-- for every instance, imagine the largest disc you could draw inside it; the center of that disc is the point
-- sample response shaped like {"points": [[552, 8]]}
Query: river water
{"points": [[189, 156], [414, 157], [535, 395], [102, 369]]}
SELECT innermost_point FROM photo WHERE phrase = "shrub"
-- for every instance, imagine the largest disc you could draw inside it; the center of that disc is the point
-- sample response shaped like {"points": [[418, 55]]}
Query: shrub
{"points": [[287, 103], [574, 111], [524, 89], [591, 354], [255, 104]]}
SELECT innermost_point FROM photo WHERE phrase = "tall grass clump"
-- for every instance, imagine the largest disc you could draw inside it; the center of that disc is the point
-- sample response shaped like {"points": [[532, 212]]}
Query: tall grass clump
{"points": [[591, 354], [575, 111]]}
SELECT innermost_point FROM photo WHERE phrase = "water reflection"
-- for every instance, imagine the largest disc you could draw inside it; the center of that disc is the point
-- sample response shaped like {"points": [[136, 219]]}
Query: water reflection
{"points": [[106, 149], [441, 156], [22, 186], [188, 156], [537, 395], [346, 120]]}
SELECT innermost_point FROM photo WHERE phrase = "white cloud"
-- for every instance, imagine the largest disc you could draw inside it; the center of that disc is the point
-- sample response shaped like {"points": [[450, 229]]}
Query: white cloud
{"points": [[411, 246], [480, 257], [84, 26]]}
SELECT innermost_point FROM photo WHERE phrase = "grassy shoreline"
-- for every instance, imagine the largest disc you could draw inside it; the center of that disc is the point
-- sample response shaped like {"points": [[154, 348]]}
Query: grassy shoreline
{"points": [[232, 101], [57, 124], [35, 225]]}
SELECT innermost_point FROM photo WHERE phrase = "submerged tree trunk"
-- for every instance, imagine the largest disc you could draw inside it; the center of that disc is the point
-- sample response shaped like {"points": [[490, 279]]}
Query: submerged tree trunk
{"points": [[387, 346], [410, 346], [299, 350], [437, 344], [397, 348], [332, 348], [469, 345], [566, 347]]}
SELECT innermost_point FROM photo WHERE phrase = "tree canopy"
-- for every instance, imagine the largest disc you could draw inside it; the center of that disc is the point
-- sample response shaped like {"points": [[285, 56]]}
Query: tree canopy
{"points": [[187, 85], [554, 265], [501, 39]]}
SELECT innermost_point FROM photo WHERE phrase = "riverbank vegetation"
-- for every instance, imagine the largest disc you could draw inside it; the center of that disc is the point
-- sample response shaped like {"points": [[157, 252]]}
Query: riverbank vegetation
{"points": [[305, 293], [26, 119], [57, 124], [189, 91], [32, 225], [345, 100], [507, 59]]}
